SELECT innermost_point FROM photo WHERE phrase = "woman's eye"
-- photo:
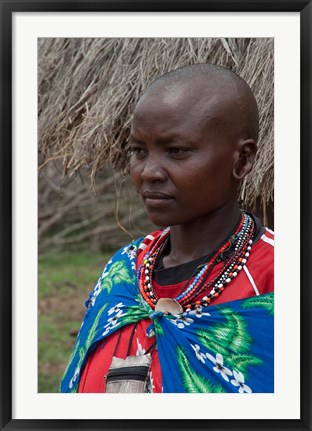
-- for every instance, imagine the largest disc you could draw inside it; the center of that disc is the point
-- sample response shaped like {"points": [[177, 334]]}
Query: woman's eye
{"points": [[137, 151], [178, 151]]}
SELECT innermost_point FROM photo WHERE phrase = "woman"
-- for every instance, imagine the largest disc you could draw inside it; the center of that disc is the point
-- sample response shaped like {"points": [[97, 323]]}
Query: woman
{"points": [[189, 308]]}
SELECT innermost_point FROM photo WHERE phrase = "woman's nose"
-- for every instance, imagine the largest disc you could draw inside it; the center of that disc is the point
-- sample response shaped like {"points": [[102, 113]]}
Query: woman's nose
{"points": [[153, 170]]}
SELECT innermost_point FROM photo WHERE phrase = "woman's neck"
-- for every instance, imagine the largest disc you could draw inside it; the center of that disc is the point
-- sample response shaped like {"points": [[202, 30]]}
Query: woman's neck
{"points": [[201, 236]]}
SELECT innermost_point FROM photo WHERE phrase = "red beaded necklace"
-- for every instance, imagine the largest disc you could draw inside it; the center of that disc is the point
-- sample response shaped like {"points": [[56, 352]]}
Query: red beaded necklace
{"points": [[242, 239]]}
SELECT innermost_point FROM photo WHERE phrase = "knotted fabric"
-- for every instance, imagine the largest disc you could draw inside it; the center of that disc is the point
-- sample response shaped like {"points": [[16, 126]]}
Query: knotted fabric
{"points": [[223, 348]]}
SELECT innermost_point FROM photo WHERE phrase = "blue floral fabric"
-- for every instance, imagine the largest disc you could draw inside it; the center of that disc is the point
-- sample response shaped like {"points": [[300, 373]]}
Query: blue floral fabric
{"points": [[223, 348]]}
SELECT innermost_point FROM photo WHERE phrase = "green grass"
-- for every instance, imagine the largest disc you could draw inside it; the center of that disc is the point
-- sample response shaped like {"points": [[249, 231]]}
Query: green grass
{"points": [[64, 283], [60, 272]]}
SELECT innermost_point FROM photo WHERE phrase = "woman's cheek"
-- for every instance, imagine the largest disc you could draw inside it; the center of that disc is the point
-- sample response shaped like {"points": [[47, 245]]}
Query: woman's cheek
{"points": [[134, 174]]}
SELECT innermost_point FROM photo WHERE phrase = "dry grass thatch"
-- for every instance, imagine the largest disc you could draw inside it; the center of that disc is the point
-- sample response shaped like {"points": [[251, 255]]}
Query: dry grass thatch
{"points": [[89, 87]]}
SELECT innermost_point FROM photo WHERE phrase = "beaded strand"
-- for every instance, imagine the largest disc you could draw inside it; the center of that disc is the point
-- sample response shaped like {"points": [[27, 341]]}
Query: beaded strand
{"points": [[242, 238]]}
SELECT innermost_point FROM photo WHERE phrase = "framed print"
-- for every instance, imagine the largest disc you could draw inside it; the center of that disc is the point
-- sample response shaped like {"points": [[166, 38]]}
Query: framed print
{"points": [[25, 26]]}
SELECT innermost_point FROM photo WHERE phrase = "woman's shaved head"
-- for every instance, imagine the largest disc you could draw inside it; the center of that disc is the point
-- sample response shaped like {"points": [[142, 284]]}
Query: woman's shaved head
{"points": [[212, 90]]}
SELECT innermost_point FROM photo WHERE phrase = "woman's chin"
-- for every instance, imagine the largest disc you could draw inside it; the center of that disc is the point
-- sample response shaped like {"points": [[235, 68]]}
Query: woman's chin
{"points": [[159, 220]]}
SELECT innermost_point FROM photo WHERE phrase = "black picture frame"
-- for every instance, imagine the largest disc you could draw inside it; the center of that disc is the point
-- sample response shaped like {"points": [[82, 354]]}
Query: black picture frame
{"points": [[7, 9]]}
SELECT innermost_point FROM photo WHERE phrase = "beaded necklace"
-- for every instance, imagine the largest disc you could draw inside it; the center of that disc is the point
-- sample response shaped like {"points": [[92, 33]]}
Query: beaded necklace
{"points": [[242, 239]]}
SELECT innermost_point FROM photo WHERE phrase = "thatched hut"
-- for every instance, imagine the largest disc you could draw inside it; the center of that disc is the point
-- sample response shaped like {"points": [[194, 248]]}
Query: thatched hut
{"points": [[89, 87]]}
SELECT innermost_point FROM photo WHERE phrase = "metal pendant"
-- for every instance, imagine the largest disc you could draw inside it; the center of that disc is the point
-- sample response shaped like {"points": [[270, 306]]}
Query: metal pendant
{"points": [[168, 306]]}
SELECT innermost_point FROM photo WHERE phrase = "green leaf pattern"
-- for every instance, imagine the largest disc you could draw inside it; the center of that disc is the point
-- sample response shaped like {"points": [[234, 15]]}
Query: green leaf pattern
{"points": [[228, 337], [193, 382], [82, 350], [116, 273], [265, 301]]}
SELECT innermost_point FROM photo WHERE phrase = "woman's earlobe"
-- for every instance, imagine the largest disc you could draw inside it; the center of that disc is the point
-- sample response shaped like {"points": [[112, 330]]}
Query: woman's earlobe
{"points": [[245, 159]]}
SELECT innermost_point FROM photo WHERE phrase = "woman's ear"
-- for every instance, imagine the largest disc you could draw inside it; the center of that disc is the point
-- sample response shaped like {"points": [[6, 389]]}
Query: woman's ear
{"points": [[245, 157]]}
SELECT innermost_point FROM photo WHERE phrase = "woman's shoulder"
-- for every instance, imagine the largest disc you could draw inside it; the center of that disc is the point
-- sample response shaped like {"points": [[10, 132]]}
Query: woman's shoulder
{"points": [[268, 236], [265, 241], [146, 243], [149, 239]]}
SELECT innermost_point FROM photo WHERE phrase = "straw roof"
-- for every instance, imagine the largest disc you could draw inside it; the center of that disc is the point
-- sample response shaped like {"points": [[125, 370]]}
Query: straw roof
{"points": [[88, 88]]}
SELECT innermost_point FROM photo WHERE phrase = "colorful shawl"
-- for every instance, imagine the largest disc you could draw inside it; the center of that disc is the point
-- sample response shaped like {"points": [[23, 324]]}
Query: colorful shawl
{"points": [[222, 348]]}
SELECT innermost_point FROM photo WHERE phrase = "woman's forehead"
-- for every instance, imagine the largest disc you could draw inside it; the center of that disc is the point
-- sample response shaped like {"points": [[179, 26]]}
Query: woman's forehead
{"points": [[193, 106], [200, 103]]}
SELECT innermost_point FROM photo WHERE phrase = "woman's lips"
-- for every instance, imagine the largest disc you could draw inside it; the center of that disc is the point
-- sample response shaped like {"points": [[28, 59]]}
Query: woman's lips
{"points": [[156, 199]]}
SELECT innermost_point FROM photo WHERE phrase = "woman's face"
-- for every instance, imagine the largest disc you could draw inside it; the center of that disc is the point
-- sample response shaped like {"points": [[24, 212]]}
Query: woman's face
{"points": [[181, 156]]}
